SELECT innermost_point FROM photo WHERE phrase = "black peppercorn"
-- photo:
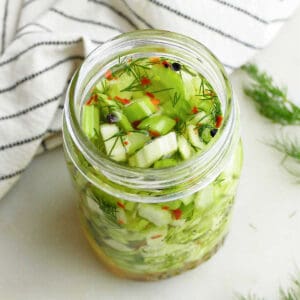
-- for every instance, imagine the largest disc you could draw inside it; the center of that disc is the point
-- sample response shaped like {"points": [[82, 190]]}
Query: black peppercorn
{"points": [[176, 66], [213, 132], [111, 118]]}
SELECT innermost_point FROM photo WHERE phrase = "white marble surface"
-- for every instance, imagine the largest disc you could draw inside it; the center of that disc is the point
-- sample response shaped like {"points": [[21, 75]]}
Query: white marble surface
{"points": [[44, 256]]}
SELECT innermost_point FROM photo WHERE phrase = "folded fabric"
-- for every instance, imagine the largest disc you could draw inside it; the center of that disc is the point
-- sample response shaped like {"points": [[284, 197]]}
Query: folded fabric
{"points": [[43, 41]]}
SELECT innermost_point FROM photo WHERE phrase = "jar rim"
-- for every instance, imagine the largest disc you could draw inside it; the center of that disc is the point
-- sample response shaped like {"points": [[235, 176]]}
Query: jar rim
{"points": [[137, 178]]}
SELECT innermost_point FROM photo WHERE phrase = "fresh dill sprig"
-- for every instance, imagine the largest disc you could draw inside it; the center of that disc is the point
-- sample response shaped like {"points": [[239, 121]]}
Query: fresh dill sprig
{"points": [[104, 86], [249, 297], [292, 293], [162, 90], [175, 99], [271, 100], [290, 148]]}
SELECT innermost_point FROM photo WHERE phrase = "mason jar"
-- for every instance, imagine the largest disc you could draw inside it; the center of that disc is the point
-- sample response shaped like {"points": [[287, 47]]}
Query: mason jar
{"points": [[113, 197]]}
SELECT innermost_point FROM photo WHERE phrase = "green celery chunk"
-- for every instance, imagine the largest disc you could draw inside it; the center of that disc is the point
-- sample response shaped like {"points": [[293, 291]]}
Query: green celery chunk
{"points": [[184, 147], [113, 142], [133, 141], [165, 163], [150, 153], [91, 120], [139, 109], [123, 121], [158, 123], [154, 214], [194, 138]]}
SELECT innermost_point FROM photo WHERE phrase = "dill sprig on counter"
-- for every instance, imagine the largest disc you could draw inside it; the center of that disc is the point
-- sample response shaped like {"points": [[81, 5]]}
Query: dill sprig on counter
{"points": [[292, 293], [271, 100], [290, 148], [249, 297]]}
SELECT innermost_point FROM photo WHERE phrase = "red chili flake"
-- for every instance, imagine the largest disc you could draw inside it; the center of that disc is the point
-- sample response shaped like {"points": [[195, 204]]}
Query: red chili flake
{"points": [[109, 75], [122, 100], [93, 99], [120, 204], [156, 236], [219, 121], [177, 213], [155, 101], [145, 81], [136, 123], [150, 95], [154, 133], [165, 207], [154, 59], [165, 64], [109, 98], [176, 119], [125, 142], [195, 110], [121, 222]]}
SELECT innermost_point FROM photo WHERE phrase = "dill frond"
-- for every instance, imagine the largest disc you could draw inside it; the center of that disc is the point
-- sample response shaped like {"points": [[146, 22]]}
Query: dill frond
{"points": [[289, 147], [292, 293], [271, 100], [248, 297]]}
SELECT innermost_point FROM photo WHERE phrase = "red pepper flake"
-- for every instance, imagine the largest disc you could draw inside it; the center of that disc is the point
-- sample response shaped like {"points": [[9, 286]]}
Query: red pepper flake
{"points": [[155, 101], [156, 236], [177, 213], [120, 204], [176, 119], [125, 142], [150, 95], [108, 75], [154, 59], [136, 123], [165, 64], [154, 133], [145, 81], [93, 99], [219, 121], [165, 207], [121, 222], [195, 110], [122, 100], [109, 98]]}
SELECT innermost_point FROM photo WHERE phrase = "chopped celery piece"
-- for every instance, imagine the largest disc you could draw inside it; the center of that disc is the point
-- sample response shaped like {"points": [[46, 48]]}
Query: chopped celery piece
{"points": [[113, 142], [184, 147], [154, 214], [133, 141], [193, 136], [123, 121], [91, 121], [139, 109], [165, 163], [158, 123], [150, 153]]}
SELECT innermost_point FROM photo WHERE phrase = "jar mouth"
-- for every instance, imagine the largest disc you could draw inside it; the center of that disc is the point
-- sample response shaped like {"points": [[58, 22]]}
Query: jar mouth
{"points": [[205, 165]]}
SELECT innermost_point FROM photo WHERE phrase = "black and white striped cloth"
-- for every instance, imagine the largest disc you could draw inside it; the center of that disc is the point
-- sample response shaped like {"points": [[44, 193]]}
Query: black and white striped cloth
{"points": [[43, 41]]}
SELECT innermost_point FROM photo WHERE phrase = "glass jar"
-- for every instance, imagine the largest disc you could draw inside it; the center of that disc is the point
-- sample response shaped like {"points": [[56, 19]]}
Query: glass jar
{"points": [[148, 224]]}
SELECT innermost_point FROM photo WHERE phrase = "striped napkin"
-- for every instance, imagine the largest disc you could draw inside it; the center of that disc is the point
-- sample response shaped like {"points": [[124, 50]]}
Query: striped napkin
{"points": [[42, 42]]}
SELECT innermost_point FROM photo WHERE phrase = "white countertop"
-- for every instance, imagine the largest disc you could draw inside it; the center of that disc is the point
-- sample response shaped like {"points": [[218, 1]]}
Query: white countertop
{"points": [[43, 254]]}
